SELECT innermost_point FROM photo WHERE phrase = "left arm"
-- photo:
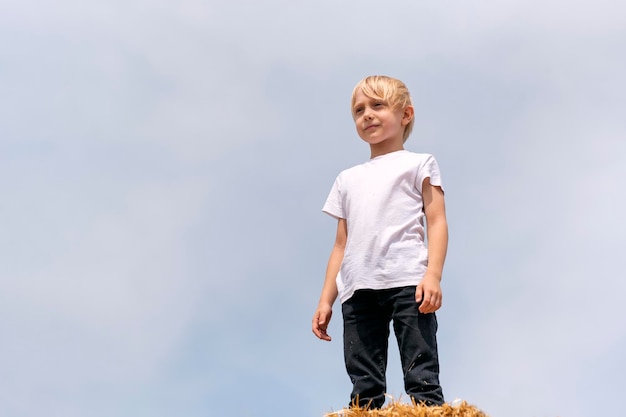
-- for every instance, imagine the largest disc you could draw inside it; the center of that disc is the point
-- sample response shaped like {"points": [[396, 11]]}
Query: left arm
{"points": [[428, 292]]}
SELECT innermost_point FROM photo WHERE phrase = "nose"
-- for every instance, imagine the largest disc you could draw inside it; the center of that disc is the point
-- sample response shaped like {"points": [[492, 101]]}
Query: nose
{"points": [[367, 113]]}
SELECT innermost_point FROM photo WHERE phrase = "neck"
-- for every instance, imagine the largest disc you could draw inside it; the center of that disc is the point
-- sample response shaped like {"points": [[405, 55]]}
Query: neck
{"points": [[385, 147]]}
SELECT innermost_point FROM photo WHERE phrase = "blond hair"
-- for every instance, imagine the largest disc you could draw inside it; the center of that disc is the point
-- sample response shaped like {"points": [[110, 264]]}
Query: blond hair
{"points": [[390, 90]]}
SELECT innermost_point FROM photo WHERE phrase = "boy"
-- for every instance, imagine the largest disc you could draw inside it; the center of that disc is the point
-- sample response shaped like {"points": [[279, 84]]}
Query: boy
{"points": [[380, 266]]}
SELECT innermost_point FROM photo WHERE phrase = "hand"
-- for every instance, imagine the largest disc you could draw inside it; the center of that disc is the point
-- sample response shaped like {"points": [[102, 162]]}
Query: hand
{"points": [[321, 318], [428, 292]]}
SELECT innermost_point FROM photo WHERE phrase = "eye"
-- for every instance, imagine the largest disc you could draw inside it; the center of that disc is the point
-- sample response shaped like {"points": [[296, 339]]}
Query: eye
{"points": [[378, 104], [358, 110]]}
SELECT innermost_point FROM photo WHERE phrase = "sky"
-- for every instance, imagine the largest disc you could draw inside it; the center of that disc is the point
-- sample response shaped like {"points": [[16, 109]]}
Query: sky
{"points": [[163, 165]]}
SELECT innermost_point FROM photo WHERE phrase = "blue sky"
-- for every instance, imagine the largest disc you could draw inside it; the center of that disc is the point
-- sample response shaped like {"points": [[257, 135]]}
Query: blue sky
{"points": [[163, 166]]}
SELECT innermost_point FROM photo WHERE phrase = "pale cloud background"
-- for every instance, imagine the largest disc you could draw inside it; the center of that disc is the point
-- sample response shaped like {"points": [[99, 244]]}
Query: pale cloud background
{"points": [[163, 165]]}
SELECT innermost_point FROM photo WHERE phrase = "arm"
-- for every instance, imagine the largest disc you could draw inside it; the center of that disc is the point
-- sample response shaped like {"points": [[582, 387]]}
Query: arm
{"points": [[429, 290], [324, 311]]}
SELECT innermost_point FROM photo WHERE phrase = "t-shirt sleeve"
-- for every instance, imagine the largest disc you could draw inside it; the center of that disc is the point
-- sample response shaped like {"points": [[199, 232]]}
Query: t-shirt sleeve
{"points": [[333, 205], [429, 169]]}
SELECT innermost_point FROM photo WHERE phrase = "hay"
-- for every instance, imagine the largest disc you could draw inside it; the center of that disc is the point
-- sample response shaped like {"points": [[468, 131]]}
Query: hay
{"points": [[397, 409]]}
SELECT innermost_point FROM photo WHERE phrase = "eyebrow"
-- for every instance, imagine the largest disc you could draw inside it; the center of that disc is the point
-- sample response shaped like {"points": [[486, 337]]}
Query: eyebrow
{"points": [[369, 100]]}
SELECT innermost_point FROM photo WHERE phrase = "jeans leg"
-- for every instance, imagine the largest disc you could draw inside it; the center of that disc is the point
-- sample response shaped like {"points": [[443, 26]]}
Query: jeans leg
{"points": [[417, 340], [366, 335]]}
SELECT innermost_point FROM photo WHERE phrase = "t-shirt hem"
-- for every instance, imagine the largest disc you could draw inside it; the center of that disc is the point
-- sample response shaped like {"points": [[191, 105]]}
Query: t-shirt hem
{"points": [[347, 294], [331, 214]]}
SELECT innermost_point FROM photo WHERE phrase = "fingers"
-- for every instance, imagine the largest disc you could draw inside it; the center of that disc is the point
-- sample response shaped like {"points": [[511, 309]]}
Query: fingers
{"points": [[429, 305], [419, 292], [320, 324], [431, 301]]}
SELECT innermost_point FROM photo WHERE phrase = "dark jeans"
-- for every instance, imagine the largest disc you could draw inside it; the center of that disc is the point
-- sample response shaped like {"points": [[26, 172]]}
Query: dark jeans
{"points": [[366, 318]]}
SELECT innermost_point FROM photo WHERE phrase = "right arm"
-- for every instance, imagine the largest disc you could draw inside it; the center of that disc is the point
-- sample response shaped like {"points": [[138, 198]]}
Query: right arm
{"points": [[324, 311]]}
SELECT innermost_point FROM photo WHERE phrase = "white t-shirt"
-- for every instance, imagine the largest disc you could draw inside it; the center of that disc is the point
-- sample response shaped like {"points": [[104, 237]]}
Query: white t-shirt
{"points": [[382, 203]]}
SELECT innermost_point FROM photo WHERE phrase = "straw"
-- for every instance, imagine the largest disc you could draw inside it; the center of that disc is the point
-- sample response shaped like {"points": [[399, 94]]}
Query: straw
{"points": [[398, 409]]}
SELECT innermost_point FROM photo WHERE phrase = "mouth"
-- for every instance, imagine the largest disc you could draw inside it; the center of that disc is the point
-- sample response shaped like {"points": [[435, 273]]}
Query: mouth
{"points": [[370, 127]]}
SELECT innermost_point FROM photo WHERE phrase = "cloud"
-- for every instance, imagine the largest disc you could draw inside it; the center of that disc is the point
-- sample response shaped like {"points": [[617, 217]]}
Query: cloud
{"points": [[163, 166], [117, 74], [95, 288]]}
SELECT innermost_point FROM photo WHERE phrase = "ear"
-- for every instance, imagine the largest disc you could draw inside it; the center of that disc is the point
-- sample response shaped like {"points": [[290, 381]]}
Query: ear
{"points": [[407, 115]]}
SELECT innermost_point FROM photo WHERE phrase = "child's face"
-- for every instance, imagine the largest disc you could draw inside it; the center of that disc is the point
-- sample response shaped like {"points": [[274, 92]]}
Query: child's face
{"points": [[377, 122]]}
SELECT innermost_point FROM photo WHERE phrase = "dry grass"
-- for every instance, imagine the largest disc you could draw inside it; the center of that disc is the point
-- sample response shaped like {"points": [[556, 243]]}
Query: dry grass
{"points": [[397, 409]]}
